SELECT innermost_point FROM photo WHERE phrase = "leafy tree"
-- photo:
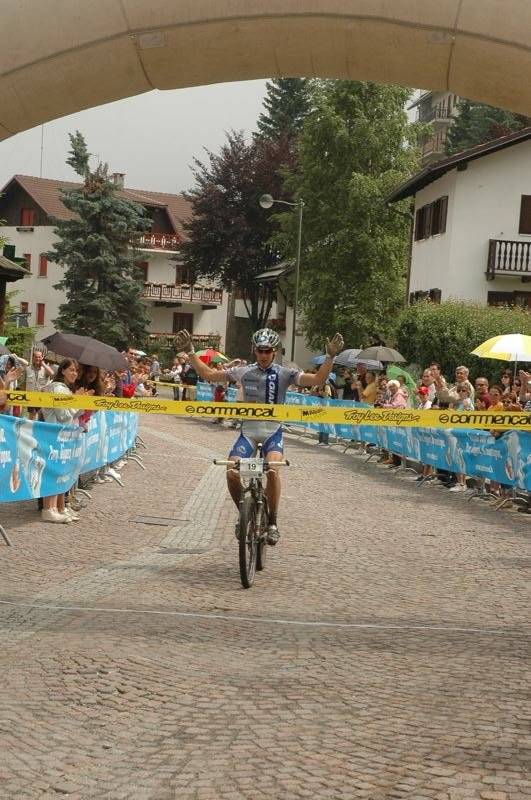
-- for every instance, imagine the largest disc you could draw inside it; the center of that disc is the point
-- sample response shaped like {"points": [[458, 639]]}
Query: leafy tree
{"points": [[477, 123], [18, 339], [229, 232], [101, 280], [355, 146], [447, 333], [287, 103]]}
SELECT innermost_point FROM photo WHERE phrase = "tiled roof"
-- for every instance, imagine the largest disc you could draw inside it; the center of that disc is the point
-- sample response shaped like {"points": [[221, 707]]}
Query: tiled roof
{"points": [[45, 192], [11, 270]]}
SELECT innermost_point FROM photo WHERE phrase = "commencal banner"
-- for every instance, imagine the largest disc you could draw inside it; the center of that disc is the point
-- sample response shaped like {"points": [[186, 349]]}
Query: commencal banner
{"points": [[39, 459], [321, 412], [505, 458]]}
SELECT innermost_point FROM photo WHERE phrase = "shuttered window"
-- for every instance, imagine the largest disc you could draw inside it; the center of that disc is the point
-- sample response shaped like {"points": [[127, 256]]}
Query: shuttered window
{"points": [[430, 220], [525, 214], [27, 217], [43, 266], [41, 307]]}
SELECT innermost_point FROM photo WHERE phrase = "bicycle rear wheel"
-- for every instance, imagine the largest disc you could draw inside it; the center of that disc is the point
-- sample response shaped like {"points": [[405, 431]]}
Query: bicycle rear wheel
{"points": [[247, 541]]}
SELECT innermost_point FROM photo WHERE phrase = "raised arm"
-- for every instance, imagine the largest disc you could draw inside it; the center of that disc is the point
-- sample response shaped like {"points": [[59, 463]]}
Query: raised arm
{"points": [[183, 342], [332, 348]]}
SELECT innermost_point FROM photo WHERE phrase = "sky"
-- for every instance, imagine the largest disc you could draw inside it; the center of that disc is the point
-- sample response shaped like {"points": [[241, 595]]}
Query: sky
{"points": [[153, 137]]}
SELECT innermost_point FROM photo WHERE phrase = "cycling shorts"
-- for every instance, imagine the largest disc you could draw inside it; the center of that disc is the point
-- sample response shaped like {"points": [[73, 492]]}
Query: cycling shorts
{"points": [[252, 434]]}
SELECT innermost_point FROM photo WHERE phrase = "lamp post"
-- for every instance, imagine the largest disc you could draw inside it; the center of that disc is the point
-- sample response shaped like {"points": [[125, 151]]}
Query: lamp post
{"points": [[266, 201]]}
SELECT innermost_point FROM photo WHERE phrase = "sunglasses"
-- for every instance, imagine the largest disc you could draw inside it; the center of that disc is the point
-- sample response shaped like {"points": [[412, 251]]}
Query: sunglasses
{"points": [[462, 390], [264, 349]]}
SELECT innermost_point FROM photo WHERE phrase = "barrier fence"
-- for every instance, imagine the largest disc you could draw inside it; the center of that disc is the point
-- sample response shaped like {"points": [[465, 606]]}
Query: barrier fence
{"points": [[39, 459], [476, 453]]}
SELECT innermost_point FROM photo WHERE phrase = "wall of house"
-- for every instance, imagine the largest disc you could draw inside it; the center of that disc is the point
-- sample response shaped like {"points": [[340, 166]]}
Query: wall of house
{"points": [[33, 289], [483, 203], [430, 264], [487, 206]]}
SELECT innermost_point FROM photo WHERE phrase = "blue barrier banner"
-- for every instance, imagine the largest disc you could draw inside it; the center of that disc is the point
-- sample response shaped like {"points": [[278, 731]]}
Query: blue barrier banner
{"points": [[205, 391], [505, 458], [39, 459]]}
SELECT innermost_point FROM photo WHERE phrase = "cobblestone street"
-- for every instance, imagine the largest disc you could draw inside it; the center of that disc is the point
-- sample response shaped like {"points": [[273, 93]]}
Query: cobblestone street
{"points": [[383, 653]]}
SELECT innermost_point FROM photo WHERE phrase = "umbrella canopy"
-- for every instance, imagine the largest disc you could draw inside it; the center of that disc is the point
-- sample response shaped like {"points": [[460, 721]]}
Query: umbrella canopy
{"points": [[209, 355], [394, 372], [508, 347], [382, 353], [86, 350], [352, 358], [221, 359]]}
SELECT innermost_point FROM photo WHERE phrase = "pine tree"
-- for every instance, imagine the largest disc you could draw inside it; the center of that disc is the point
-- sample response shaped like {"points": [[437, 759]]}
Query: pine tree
{"points": [[477, 123], [287, 103], [101, 279]]}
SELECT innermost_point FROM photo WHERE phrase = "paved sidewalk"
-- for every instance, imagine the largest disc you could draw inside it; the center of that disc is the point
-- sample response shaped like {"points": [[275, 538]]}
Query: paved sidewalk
{"points": [[383, 653]]}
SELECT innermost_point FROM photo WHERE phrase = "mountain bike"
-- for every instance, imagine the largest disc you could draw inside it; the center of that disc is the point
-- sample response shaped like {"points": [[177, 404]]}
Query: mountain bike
{"points": [[253, 514]]}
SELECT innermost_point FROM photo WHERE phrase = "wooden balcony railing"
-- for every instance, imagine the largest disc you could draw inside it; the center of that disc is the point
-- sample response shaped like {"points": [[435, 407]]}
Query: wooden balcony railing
{"points": [[159, 241], [200, 340], [508, 258], [183, 293]]}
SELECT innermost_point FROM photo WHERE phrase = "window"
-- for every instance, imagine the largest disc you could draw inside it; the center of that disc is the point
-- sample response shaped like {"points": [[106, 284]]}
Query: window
{"points": [[27, 217], [430, 220], [24, 308], [183, 275], [27, 259], [183, 322], [43, 266], [143, 266], [525, 215], [439, 214], [40, 313]]}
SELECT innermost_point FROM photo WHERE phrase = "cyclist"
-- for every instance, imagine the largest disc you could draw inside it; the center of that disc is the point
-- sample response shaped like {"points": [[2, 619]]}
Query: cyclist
{"points": [[263, 382]]}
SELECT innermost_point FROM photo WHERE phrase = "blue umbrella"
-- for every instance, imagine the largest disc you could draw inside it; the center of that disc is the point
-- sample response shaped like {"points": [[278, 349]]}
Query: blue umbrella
{"points": [[318, 360]]}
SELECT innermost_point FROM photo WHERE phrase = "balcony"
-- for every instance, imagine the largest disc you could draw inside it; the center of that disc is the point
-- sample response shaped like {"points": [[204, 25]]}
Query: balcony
{"points": [[434, 146], [442, 112], [169, 242], [200, 340], [184, 293], [509, 259]]}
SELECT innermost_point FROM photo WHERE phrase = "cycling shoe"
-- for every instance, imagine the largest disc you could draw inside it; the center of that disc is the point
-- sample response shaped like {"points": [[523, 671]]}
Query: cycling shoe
{"points": [[273, 534]]}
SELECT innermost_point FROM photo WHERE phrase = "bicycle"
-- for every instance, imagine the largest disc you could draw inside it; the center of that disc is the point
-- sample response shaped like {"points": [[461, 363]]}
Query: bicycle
{"points": [[253, 514]]}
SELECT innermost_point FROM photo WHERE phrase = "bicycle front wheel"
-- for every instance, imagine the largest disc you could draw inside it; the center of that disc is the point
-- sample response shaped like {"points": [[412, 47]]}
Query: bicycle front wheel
{"points": [[248, 541]]}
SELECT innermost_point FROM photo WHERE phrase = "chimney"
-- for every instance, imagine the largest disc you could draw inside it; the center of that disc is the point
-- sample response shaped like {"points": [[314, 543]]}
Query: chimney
{"points": [[118, 178]]}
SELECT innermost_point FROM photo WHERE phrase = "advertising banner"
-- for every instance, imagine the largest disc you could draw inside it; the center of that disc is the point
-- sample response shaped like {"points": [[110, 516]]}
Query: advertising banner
{"points": [[505, 458], [39, 459]]}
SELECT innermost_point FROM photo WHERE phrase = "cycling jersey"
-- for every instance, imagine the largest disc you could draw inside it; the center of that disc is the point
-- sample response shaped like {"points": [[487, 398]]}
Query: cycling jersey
{"points": [[261, 386]]}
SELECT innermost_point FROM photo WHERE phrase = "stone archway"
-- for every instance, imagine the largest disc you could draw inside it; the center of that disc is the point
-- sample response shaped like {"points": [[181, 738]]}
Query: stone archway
{"points": [[62, 56]]}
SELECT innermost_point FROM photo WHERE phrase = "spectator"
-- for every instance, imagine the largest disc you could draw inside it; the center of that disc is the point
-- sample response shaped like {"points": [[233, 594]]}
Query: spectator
{"points": [[481, 386], [347, 388], [54, 509], [324, 391], [397, 397], [506, 381], [495, 394], [367, 393], [423, 402], [446, 395], [155, 367], [428, 380], [38, 375], [189, 379]]}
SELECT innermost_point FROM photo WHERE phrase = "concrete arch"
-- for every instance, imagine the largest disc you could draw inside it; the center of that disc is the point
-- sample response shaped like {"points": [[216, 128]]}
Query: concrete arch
{"points": [[62, 56]]}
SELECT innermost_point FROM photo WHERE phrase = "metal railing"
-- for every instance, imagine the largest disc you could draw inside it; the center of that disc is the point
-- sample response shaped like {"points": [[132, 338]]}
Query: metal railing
{"points": [[508, 257]]}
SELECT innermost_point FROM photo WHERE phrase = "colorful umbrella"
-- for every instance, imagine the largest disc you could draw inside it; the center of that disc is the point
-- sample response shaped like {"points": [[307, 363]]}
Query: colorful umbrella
{"points": [[508, 347], [209, 354], [394, 372]]}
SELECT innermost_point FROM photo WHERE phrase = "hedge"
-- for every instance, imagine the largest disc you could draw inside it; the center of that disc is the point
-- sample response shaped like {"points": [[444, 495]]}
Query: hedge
{"points": [[447, 333]]}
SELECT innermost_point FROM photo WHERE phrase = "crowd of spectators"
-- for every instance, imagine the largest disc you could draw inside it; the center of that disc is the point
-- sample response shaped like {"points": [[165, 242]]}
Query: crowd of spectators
{"points": [[67, 377]]}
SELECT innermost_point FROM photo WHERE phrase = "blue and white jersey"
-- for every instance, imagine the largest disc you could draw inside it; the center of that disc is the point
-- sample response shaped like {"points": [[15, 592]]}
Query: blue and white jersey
{"points": [[264, 385]]}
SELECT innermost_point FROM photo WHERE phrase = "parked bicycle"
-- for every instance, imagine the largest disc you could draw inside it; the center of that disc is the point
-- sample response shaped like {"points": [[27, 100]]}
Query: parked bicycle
{"points": [[253, 515]]}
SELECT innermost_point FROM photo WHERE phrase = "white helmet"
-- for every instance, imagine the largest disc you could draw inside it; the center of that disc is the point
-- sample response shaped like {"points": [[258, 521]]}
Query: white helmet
{"points": [[266, 337]]}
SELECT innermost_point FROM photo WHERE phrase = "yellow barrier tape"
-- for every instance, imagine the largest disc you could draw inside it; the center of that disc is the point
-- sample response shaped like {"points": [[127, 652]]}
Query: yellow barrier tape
{"points": [[332, 415]]}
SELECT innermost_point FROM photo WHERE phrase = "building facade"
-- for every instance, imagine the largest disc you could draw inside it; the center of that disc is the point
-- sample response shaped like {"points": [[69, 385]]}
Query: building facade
{"points": [[472, 225], [439, 109], [174, 300]]}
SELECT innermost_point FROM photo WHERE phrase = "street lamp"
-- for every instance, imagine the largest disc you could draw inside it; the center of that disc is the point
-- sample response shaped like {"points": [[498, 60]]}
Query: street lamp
{"points": [[266, 201]]}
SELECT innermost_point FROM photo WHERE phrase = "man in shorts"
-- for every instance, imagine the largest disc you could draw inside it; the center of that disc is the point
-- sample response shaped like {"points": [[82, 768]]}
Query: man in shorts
{"points": [[264, 381]]}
